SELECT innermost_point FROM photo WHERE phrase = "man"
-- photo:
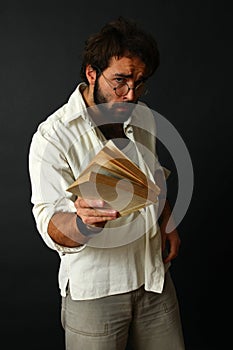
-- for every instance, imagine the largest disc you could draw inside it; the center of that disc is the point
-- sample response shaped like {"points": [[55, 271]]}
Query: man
{"points": [[114, 276]]}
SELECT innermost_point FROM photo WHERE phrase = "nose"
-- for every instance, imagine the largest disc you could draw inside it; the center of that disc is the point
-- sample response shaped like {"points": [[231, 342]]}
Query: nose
{"points": [[130, 96]]}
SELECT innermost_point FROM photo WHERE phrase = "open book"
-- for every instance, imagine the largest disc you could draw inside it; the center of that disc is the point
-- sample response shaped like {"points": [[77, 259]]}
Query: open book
{"points": [[114, 178]]}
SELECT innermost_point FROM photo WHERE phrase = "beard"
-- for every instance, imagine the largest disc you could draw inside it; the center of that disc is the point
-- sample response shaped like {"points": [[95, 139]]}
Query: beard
{"points": [[112, 112]]}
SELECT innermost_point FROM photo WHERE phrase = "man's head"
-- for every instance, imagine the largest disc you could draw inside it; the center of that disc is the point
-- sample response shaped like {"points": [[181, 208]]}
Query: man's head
{"points": [[116, 63], [117, 39]]}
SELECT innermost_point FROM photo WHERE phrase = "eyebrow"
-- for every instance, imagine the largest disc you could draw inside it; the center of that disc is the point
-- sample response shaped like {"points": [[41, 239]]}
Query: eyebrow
{"points": [[123, 75], [127, 76]]}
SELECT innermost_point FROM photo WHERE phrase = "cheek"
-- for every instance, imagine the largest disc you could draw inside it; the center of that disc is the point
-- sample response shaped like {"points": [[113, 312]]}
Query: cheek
{"points": [[108, 93], [106, 96]]}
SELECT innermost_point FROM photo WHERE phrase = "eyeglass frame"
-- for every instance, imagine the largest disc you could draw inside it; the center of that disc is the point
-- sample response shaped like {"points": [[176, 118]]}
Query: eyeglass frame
{"points": [[121, 84]]}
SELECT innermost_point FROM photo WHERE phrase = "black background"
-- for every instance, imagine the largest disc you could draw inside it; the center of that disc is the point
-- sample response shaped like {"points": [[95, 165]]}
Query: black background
{"points": [[40, 60]]}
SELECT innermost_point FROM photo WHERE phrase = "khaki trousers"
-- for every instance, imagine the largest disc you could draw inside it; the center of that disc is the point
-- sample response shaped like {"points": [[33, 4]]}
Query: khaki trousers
{"points": [[137, 320]]}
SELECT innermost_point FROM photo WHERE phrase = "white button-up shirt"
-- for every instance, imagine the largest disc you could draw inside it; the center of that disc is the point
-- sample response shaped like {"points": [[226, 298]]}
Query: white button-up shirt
{"points": [[127, 254]]}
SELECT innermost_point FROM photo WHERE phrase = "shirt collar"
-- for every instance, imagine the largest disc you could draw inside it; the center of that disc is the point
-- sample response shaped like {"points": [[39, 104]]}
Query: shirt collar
{"points": [[76, 107]]}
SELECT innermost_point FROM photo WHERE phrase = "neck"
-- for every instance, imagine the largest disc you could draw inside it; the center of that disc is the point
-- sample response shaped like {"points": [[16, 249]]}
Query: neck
{"points": [[115, 133], [88, 97]]}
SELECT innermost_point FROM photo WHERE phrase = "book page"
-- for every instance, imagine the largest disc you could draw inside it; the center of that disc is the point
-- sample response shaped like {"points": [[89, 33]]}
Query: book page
{"points": [[114, 178]]}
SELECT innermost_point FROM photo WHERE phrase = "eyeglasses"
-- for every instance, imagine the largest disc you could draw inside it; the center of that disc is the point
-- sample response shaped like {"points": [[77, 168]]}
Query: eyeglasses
{"points": [[122, 89]]}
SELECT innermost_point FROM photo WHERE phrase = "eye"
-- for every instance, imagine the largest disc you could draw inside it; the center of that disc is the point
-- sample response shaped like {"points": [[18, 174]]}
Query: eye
{"points": [[120, 80], [139, 82]]}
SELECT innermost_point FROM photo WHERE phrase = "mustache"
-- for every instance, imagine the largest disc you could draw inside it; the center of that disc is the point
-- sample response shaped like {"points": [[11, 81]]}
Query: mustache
{"points": [[124, 106]]}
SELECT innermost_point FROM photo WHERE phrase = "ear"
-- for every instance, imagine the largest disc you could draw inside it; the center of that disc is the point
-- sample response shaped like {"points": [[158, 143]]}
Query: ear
{"points": [[90, 74]]}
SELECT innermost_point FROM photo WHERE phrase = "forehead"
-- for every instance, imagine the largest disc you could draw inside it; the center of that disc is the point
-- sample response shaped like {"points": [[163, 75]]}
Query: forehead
{"points": [[127, 65]]}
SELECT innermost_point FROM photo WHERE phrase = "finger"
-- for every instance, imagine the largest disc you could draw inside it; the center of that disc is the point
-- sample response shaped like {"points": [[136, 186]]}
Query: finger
{"points": [[93, 220], [95, 203], [90, 203], [93, 212], [172, 254]]}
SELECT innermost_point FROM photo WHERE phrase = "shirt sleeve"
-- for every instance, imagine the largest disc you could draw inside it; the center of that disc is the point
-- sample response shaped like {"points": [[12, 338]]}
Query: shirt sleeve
{"points": [[50, 176]]}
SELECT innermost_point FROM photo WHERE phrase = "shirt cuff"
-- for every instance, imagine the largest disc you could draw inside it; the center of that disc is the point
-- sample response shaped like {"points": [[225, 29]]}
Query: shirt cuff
{"points": [[68, 250]]}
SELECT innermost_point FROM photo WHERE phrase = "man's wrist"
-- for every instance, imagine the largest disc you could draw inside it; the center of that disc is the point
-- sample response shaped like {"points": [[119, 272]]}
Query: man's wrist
{"points": [[85, 230]]}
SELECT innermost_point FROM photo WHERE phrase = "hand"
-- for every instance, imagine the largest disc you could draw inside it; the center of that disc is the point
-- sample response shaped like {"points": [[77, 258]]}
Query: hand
{"points": [[94, 212], [173, 241]]}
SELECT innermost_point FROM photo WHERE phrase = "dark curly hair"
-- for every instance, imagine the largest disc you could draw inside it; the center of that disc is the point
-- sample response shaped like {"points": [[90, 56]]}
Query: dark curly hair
{"points": [[118, 38]]}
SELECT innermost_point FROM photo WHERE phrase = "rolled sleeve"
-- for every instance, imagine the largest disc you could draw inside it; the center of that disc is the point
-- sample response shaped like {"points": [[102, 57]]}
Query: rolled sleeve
{"points": [[50, 176]]}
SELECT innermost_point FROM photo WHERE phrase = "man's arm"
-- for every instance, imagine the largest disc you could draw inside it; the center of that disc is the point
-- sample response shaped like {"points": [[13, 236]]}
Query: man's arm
{"points": [[164, 211], [63, 228], [172, 238]]}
